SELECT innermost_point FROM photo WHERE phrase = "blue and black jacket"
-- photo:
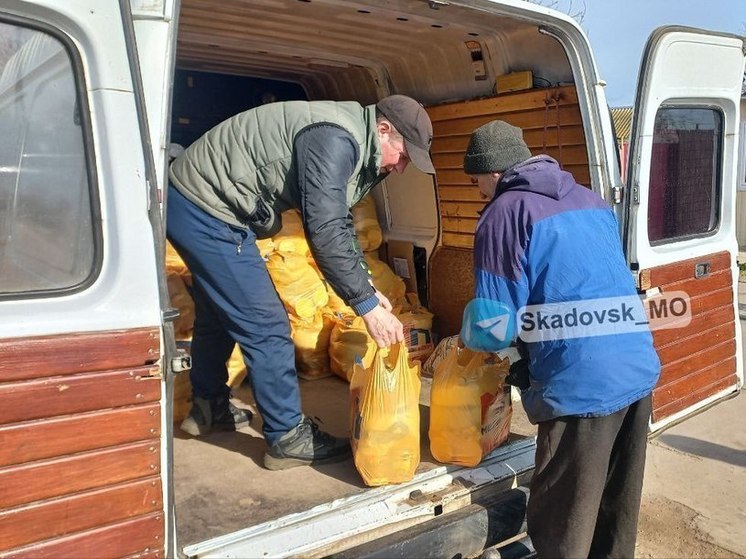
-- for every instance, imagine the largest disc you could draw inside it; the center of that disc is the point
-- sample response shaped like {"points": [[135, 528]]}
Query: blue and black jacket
{"points": [[545, 239]]}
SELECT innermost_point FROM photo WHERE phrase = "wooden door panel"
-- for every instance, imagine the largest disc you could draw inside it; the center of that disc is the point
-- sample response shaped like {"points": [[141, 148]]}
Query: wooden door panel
{"points": [[80, 425], [64, 395], [122, 539], [715, 354], [36, 440], [74, 513], [698, 360], [45, 479], [47, 356]]}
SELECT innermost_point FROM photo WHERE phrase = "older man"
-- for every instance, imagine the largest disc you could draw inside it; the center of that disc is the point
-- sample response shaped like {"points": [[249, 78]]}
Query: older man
{"points": [[227, 190]]}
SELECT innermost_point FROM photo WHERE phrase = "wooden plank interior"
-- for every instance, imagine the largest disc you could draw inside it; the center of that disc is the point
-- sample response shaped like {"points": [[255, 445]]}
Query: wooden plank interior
{"points": [[674, 370], [80, 393], [45, 479], [36, 440], [73, 513], [138, 537], [47, 356], [684, 270], [86, 453], [451, 287], [684, 386], [667, 410], [552, 124], [697, 360]]}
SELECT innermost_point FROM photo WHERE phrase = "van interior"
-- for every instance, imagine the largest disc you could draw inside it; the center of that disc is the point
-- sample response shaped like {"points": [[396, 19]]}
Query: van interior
{"points": [[467, 66]]}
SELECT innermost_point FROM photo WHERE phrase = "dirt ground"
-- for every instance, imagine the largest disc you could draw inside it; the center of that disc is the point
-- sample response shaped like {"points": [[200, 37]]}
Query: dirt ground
{"points": [[668, 529]]}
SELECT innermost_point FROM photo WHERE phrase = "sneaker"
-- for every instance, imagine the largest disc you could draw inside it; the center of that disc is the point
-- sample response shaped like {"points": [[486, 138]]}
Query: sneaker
{"points": [[304, 445], [218, 413]]}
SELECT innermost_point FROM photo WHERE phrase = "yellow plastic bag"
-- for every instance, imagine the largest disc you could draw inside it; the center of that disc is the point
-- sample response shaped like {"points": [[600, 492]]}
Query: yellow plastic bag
{"points": [[350, 341], [385, 417], [365, 221], [291, 238], [470, 408], [311, 339], [181, 300], [236, 368], [298, 284], [175, 264], [336, 304], [386, 281], [265, 247]]}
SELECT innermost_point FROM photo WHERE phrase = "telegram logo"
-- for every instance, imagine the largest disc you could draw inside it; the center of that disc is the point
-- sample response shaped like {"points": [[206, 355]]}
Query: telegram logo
{"points": [[487, 325]]}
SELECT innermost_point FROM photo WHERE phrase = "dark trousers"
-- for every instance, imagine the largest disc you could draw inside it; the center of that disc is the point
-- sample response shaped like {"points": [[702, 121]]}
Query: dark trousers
{"points": [[587, 486], [235, 302]]}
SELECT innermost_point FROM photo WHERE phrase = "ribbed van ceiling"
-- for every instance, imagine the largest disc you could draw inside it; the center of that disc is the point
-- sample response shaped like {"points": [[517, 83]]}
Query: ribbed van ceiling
{"points": [[358, 50]]}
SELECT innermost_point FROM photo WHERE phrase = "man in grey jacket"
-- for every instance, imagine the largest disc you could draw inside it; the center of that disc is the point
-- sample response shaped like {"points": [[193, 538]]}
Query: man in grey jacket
{"points": [[227, 190]]}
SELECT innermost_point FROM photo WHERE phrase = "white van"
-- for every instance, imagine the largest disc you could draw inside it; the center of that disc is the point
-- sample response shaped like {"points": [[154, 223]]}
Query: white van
{"points": [[90, 465]]}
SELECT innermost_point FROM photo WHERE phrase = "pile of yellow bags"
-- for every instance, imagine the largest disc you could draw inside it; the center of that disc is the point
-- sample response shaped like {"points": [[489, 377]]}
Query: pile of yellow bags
{"points": [[350, 341], [470, 407], [385, 417], [386, 281], [365, 221], [179, 282], [304, 294]]}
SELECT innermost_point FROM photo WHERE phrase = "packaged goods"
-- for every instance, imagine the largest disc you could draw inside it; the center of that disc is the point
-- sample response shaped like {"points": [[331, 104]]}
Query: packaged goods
{"points": [[470, 407], [441, 351], [350, 342], [385, 417], [311, 340], [418, 332], [291, 238], [181, 300], [386, 281], [365, 221], [236, 368], [298, 284], [175, 264]]}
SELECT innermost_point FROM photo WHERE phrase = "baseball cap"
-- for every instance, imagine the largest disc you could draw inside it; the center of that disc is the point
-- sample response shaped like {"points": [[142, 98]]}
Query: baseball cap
{"points": [[413, 123]]}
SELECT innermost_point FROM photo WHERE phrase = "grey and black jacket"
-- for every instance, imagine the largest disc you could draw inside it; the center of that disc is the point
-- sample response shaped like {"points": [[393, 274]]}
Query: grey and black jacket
{"points": [[321, 157]]}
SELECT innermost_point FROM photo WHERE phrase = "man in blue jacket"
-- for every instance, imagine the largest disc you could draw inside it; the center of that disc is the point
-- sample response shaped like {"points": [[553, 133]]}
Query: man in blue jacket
{"points": [[545, 242]]}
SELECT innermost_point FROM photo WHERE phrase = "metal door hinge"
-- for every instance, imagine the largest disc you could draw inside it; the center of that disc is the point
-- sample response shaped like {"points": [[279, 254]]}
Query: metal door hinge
{"points": [[616, 194], [636, 194]]}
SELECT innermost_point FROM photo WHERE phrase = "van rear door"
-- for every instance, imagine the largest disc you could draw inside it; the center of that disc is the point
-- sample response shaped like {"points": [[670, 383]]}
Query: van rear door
{"points": [[81, 416], [680, 212]]}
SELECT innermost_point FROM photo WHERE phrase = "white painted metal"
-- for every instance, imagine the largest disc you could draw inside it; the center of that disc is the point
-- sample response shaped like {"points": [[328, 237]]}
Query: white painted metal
{"points": [[688, 67], [125, 294], [321, 529]]}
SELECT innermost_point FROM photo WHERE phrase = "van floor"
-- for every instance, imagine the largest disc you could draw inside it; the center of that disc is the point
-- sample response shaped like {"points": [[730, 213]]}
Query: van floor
{"points": [[221, 485]]}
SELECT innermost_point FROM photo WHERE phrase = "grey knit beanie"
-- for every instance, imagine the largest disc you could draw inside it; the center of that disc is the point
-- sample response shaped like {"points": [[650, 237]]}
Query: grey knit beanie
{"points": [[495, 147]]}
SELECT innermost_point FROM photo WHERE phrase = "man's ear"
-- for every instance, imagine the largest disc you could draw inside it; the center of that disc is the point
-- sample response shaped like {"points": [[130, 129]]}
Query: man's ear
{"points": [[384, 127]]}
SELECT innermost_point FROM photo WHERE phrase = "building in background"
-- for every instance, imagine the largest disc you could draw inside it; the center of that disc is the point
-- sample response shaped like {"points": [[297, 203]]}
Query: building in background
{"points": [[622, 118]]}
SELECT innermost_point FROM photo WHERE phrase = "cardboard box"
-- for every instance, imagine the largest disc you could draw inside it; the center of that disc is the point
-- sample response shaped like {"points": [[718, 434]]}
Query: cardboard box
{"points": [[515, 81], [400, 257]]}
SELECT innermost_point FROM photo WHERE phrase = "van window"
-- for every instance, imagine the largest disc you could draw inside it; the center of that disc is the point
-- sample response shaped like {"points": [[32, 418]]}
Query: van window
{"points": [[47, 236], [685, 174]]}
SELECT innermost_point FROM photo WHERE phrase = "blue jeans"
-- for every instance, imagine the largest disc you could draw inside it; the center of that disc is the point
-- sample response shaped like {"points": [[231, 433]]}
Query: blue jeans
{"points": [[235, 302]]}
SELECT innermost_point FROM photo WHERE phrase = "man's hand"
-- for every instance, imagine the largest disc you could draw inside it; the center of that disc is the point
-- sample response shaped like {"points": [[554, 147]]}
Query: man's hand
{"points": [[383, 326], [383, 301]]}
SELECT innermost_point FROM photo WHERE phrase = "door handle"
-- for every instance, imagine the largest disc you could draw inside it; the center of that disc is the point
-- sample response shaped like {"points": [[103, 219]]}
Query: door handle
{"points": [[701, 269]]}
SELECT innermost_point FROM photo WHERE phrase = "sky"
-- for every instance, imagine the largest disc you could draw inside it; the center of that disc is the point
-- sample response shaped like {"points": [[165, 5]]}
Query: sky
{"points": [[619, 29]]}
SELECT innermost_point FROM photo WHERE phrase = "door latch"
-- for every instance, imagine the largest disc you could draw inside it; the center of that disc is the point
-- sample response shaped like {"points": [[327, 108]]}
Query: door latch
{"points": [[182, 362]]}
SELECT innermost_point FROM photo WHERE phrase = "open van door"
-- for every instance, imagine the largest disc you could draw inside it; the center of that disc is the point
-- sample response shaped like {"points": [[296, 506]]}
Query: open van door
{"points": [[680, 213], [83, 470]]}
